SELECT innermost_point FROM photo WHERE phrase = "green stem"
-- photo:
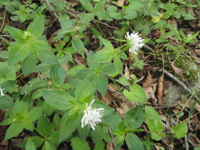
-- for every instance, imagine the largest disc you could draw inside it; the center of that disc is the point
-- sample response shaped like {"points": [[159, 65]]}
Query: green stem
{"points": [[97, 6], [4, 17], [63, 50]]}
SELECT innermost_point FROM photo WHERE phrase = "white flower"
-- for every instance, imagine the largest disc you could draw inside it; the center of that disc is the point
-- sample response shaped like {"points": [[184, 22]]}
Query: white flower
{"points": [[91, 116], [26, 34], [1, 92], [135, 42]]}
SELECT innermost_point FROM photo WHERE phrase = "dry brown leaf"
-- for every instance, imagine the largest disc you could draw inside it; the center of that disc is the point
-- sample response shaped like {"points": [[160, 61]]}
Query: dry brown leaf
{"points": [[173, 22], [109, 146], [150, 93], [178, 71], [167, 86], [147, 81], [126, 72], [120, 2], [192, 137], [160, 90]]}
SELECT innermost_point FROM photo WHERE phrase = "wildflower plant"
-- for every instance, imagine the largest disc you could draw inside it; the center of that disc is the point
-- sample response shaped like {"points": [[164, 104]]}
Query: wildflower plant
{"points": [[60, 101]]}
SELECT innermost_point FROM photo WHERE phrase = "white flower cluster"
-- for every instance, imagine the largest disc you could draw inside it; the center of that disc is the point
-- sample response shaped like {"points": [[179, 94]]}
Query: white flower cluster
{"points": [[26, 34], [135, 42], [91, 116], [1, 92]]}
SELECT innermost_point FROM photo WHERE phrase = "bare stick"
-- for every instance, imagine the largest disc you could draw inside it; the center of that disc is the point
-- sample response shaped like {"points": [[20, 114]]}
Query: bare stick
{"points": [[186, 143], [51, 9], [180, 83], [113, 142]]}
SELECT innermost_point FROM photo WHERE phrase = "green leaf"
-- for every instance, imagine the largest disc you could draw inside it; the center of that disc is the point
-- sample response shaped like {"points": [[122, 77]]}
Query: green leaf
{"points": [[78, 45], [192, 36], [73, 71], [154, 122], [89, 17], [83, 132], [44, 126], [29, 63], [56, 121], [136, 94], [58, 72], [123, 80], [85, 72], [42, 67], [133, 142], [18, 52], [87, 5], [21, 108], [113, 120], [100, 6], [15, 33], [14, 129], [133, 118], [102, 56], [108, 68], [118, 64], [78, 144], [65, 22], [99, 146], [119, 140], [47, 57], [181, 130], [48, 146], [54, 137], [103, 15], [6, 102], [40, 45], [30, 145], [129, 14], [101, 83], [107, 43], [6, 72], [36, 28], [58, 99], [69, 123], [97, 134], [36, 140], [35, 113], [48, 110]]}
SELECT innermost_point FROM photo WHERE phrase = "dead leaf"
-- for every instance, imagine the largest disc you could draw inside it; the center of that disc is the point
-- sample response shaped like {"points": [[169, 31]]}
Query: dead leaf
{"points": [[120, 2], [160, 90], [147, 81], [109, 146], [126, 72], [150, 93], [173, 22]]}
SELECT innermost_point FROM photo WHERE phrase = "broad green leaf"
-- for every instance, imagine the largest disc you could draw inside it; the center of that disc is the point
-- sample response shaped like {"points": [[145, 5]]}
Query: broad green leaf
{"points": [[54, 137], [113, 120], [65, 22], [87, 5], [181, 130], [102, 56], [108, 68], [89, 17], [192, 36], [4, 54], [123, 80], [58, 99], [101, 83], [28, 125], [107, 43], [134, 117], [78, 45], [47, 57], [7, 85], [97, 134], [136, 94], [103, 15], [99, 6], [43, 67], [39, 45], [21, 108], [58, 72], [15, 33], [85, 72], [129, 14], [118, 64], [133, 142], [83, 132], [14, 129], [78, 144], [35, 113], [6, 72], [119, 140], [37, 140], [44, 126], [36, 28], [48, 146], [73, 71], [48, 110], [29, 63], [56, 121], [153, 121], [99, 146], [136, 5], [30, 145], [64, 59], [82, 86], [69, 124], [6, 102], [18, 52]]}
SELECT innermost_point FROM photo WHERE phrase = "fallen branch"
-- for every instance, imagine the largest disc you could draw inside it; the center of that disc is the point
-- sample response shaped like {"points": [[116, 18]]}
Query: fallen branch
{"points": [[51, 9]]}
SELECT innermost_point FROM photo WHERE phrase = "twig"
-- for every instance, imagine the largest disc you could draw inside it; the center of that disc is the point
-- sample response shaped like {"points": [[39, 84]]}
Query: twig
{"points": [[106, 24], [113, 142], [51, 9], [186, 143], [115, 91], [179, 82], [147, 47]]}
